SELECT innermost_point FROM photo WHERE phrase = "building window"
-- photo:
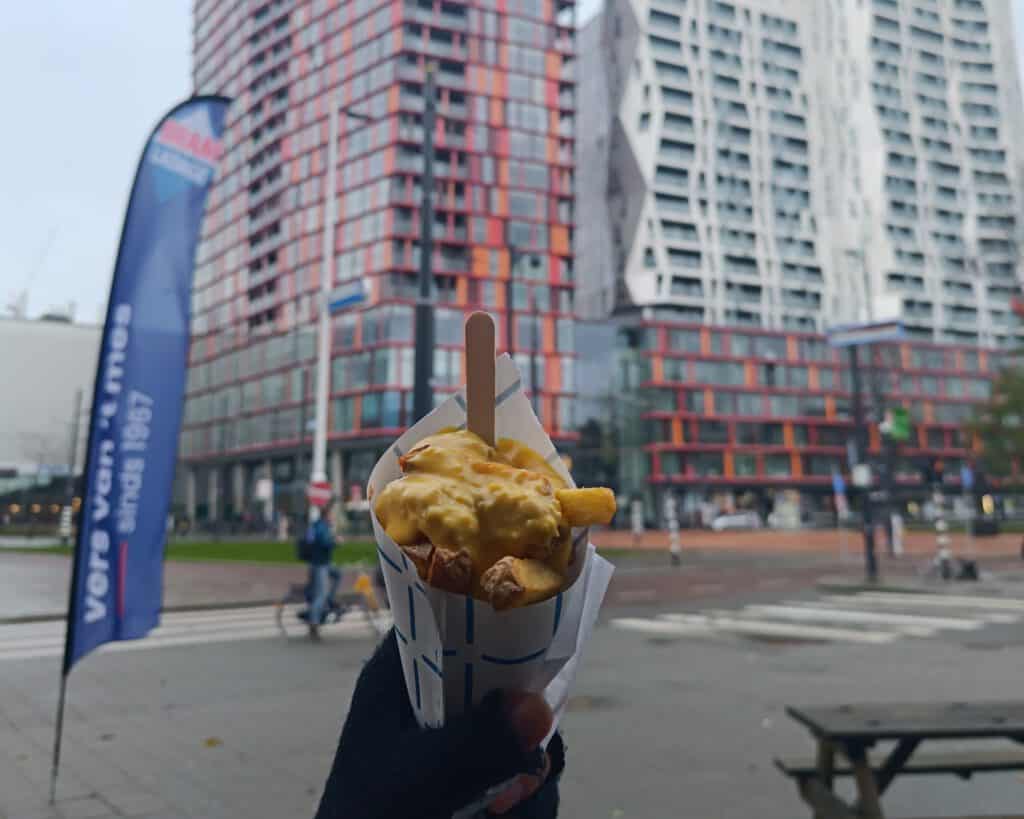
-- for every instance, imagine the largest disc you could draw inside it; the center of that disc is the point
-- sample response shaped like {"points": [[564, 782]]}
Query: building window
{"points": [[744, 466], [728, 373], [832, 436], [725, 403], [663, 401], [695, 401], [675, 369], [344, 414], [777, 465], [671, 463], [712, 432], [759, 434], [684, 341], [749, 403], [564, 328], [706, 464], [820, 465], [782, 406]]}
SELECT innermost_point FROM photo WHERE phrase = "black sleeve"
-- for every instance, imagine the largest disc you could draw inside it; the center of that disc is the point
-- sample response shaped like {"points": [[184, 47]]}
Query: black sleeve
{"points": [[386, 767]]}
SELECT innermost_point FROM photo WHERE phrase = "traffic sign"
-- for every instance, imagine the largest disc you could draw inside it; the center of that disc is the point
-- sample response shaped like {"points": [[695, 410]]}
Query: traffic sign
{"points": [[896, 424], [264, 489], [872, 332], [346, 295], [319, 493]]}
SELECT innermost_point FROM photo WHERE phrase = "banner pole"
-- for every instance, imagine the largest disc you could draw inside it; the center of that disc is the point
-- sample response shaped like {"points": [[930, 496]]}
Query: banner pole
{"points": [[58, 737]]}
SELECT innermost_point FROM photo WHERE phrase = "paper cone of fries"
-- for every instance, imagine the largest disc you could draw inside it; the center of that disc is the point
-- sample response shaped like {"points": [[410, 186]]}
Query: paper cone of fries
{"points": [[456, 649]]}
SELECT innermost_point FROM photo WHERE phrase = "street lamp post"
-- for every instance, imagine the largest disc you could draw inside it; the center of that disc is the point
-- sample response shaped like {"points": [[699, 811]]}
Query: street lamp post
{"points": [[422, 394], [515, 255], [319, 467]]}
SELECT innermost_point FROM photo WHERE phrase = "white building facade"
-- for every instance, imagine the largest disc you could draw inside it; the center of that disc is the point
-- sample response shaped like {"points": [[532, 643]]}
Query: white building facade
{"points": [[43, 365], [793, 164]]}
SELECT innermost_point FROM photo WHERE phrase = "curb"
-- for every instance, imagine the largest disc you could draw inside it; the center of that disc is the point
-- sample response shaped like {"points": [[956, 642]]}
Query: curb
{"points": [[840, 585], [185, 607], [863, 586]]}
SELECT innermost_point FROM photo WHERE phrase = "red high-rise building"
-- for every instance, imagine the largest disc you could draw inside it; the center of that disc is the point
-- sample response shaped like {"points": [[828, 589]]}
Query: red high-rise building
{"points": [[503, 163]]}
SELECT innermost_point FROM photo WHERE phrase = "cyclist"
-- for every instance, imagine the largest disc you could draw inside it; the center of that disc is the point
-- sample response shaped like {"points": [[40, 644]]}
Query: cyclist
{"points": [[323, 576]]}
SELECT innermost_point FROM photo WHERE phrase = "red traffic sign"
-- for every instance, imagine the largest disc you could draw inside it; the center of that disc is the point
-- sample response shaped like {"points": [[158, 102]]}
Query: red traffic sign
{"points": [[319, 493]]}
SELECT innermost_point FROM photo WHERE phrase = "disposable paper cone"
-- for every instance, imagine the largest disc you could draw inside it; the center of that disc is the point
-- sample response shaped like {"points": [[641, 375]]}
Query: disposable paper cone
{"points": [[455, 649]]}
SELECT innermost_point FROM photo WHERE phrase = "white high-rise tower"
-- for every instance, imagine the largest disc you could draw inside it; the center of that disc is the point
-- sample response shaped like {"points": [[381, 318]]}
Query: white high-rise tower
{"points": [[793, 164]]}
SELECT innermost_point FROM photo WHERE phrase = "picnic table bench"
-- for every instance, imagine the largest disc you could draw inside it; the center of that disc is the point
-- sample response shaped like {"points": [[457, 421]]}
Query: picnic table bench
{"points": [[847, 736]]}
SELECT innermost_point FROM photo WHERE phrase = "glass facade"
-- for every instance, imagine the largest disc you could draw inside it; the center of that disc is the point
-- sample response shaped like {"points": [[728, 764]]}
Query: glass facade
{"points": [[761, 411], [503, 164]]}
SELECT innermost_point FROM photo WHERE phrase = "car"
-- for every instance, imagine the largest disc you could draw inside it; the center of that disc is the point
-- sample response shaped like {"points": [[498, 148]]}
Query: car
{"points": [[737, 520]]}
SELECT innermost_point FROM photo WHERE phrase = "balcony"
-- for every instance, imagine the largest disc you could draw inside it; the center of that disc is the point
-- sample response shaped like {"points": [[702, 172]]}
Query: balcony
{"points": [[258, 277], [266, 190], [268, 217], [280, 104], [455, 22], [447, 79], [263, 303], [265, 136]]}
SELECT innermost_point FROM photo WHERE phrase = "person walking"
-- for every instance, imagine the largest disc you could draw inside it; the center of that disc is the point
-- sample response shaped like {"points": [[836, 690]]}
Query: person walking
{"points": [[323, 576]]}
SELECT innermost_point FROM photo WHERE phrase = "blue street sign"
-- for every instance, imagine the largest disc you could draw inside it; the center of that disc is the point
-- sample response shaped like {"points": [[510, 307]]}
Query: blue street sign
{"points": [[873, 332], [347, 295]]}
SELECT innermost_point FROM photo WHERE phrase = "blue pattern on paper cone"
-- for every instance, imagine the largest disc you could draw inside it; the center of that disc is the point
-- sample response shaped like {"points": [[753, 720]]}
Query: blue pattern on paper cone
{"points": [[412, 615], [513, 660], [507, 393], [432, 666], [389, 561]]}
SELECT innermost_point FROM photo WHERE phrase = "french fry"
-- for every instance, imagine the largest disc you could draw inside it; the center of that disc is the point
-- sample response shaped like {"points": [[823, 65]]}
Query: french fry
{"points": [[451, 570], [492, 522], [587, 507], [420, 555], [514, 582], [562, 552]]}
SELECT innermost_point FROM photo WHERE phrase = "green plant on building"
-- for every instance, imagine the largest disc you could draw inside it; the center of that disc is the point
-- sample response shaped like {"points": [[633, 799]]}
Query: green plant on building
{"points": [[998, 426]]}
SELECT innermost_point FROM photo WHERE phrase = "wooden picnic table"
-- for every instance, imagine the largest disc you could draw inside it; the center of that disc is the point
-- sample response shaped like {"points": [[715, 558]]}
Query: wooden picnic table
{"points": [[846, 735]]}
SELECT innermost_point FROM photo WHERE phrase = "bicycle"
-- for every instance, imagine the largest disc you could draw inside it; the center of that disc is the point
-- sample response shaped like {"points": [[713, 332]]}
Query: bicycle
{"points": [[363, 596]]}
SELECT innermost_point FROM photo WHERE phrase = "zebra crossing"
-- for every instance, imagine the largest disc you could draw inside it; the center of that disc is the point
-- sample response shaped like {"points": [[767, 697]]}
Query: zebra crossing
{"points": [[866, 617], [27, 641]]}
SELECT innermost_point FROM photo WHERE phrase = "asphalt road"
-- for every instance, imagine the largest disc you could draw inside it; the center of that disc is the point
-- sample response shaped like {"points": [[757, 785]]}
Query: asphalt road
{"points": [[659, 726]]}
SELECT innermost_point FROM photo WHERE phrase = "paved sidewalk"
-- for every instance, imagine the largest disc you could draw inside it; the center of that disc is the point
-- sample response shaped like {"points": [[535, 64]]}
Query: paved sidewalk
{"points": [[247, 730], [37, 585], [807, 541], [182, 732]]}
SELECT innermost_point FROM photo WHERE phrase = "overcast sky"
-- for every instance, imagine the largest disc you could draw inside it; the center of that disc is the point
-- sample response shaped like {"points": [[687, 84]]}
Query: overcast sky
{"points": [[85, 83]]}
